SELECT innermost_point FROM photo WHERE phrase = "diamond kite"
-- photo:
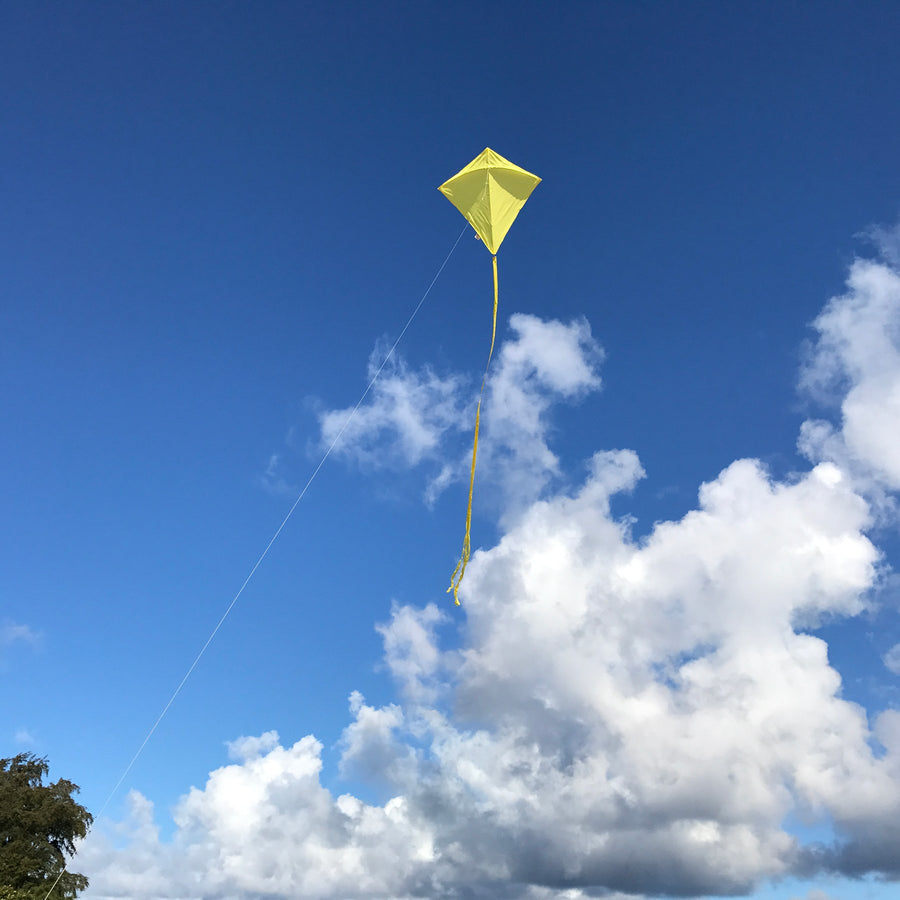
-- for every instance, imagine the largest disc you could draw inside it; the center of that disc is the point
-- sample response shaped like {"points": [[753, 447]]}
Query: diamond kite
{"points": [[490, 191]]}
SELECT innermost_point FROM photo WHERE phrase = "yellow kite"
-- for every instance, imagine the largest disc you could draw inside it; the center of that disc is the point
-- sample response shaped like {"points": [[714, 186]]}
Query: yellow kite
{"points": [[489, 192]]}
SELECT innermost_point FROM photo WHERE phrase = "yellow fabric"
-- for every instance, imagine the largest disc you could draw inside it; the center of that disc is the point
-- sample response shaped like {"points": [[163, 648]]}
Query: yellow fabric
{"points": [[460, 570], [489, 192]]}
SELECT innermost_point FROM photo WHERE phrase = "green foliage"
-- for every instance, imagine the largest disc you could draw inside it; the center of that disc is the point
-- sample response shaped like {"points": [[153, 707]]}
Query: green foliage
{"points": [[39, 825]]}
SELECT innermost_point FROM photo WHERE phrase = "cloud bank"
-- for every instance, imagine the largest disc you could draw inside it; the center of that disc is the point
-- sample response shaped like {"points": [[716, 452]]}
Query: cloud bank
{"points": [[623, 717]]}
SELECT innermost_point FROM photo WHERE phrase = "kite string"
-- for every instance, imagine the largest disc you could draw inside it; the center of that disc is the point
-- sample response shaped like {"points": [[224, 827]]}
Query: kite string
{"points": [[280, 528], [460, 570], [268, 547]]}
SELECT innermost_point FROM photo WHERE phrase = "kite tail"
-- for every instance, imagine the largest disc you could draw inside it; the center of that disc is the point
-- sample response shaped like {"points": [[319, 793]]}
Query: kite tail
{"points": [[460, 570]]}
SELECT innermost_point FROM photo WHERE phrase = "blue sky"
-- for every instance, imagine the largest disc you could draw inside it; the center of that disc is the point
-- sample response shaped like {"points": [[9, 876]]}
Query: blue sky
{"points": [[215, 217]]}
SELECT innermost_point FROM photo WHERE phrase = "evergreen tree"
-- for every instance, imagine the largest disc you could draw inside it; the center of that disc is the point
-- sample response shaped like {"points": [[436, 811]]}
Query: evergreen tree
{"points": [[39, 825]]}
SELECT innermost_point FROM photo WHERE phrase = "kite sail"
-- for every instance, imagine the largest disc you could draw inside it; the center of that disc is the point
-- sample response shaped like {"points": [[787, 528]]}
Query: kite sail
{"points": [[490, 191]]}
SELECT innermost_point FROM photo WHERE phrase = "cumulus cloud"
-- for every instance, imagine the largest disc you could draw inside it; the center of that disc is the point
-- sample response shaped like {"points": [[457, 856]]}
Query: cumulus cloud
{"points": [[247, 748], [412, 417], [403, 420], [622, 716], [544, 362], [892, 659], [411, 652], [657, 696], [264, 827], [856, 359]]}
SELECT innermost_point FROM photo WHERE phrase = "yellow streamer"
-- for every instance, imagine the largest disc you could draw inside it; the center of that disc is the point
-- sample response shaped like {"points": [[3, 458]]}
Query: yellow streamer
{"points": [[460, 569]]}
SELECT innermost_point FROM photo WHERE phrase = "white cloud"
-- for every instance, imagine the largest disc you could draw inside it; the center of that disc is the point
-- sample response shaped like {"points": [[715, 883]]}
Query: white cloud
{"points": [[815, 894], [857, 358], [273, 479], [627, 716], [659, 691], [892, 659], [887, 242], [247, 748], [14, 634], [265, 827], [24, 737], [412, 417], [650, 702], [411, 653], [544, 362], [403, 420]]}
